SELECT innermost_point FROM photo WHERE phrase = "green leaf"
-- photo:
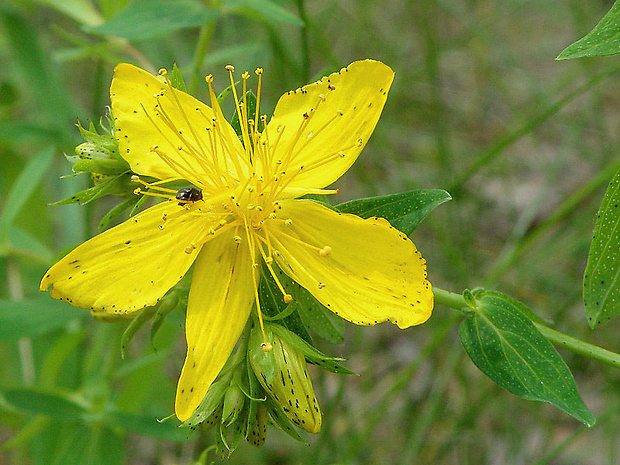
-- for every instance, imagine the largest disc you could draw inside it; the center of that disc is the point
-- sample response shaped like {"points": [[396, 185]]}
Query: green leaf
{"points": [[313, 355], [250, 98], [601, 280], [274, 305], [506, 346], [479, 293], [81, 11], [33, 317], [266, 11], [603, 40], [404, 211], [176, 78], [148, 425], [115, 185], [147, 19], [315, 316], [55, 404], [21, 190], [117, 210], [24, 244]]}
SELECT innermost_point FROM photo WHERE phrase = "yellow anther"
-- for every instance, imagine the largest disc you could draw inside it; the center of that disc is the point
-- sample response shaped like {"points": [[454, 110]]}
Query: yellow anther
{"points": [[135, 177], [322, 97], [272, 216], [266, 347], [321, 285], [342, 154], [162, 71], [230, 68], [137, 191], [209, 78], [237, 239], [154, 148], [325, 251], [331, 87], [211, 232], [288, 221], [245, 75], [190, 248], [255, 266], [288, 298], [269, 260], [259, 71], [250, 206]]}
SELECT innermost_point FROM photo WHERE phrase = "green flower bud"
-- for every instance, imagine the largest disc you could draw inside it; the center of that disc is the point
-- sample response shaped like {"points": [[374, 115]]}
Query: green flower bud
{"points": [[258, 432], [283, 374], [234, 400]]}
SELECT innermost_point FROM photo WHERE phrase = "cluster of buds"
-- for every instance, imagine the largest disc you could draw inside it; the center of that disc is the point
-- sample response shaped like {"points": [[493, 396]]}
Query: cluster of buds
{"points": [[99, 154], [256, 384]]}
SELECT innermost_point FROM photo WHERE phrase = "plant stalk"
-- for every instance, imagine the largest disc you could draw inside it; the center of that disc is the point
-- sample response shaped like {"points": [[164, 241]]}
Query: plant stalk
{"points": [[457, 302]]}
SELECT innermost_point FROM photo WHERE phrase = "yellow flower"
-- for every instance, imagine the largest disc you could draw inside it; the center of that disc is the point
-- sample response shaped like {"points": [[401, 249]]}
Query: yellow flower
{"points": [[247, 211]]}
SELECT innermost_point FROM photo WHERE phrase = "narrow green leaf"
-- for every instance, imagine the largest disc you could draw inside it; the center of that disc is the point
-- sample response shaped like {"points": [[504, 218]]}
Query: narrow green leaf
{"points": [[176, 78], [36, 316], [115, 185], [147, 19], [148, 425], [266, 11], [281, 420], [601, 280], [37, 73], [250, 98], [274, 304], [21, 190], [134, 326], [603, 40], [315, 316], [55, 404], [82, 11], [404, 211], [506, 346], [117, 210], [313, 355], [24, 244]]}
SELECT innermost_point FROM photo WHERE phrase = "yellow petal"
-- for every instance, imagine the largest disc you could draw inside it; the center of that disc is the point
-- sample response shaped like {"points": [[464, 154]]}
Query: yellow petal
{"points": [[147, 113], [130, 266], [319, 130], [366, 271], [219, 304]]}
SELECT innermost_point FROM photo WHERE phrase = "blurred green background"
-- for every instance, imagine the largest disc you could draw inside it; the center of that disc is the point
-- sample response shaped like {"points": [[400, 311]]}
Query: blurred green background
{"points": [[479, 107]]}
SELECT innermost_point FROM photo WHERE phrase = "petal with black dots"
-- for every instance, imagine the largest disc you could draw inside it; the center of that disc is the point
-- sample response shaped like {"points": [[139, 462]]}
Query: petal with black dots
{"points": [[364, 270], [220, 301]]}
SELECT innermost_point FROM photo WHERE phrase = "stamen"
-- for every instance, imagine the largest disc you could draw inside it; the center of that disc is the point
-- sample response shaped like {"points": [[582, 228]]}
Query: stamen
{"points": [[325, 251]]}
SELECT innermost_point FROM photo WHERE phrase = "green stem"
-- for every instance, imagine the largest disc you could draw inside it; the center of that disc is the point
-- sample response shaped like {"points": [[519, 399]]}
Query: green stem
{"points": [[457, 302], [305, 47], [449, 299], [579, 347], [204, 41]]}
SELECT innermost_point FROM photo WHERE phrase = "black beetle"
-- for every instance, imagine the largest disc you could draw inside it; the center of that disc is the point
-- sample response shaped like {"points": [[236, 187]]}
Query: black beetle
{"points": [[188, 195]]}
